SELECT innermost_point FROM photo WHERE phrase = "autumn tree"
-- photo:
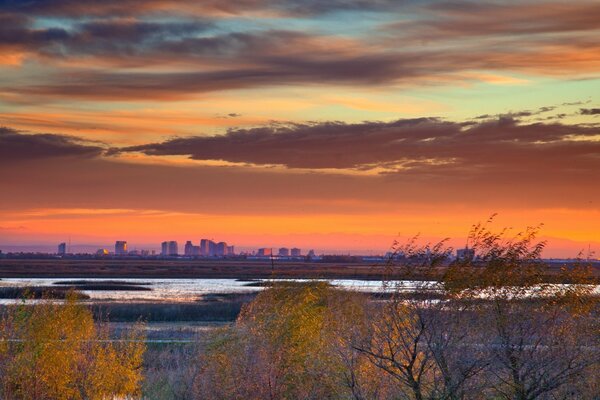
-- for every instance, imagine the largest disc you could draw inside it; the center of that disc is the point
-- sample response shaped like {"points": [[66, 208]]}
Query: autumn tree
{"points": [[55, 350], [541, 323], [294, 341], [499, 324]]}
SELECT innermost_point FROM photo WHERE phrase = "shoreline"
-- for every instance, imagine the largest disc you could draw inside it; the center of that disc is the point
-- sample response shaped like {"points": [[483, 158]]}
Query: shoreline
{"points": [[221, 269]]}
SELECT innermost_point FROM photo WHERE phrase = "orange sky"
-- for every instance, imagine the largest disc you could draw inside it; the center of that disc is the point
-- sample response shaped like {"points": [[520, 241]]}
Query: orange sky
{"points": [[282, 124]]}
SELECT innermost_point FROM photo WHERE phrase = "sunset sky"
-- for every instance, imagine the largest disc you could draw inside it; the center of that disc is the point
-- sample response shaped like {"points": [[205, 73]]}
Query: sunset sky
{"points": [[333, 125]]}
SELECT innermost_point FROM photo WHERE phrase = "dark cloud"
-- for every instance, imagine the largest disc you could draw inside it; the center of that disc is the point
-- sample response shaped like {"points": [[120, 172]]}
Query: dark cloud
{"points": [[109, 38], [16, 146], [15, 32], [345, 70], [452, 19], [217, 59], [410, 146], [499, 163], [518, 114], [75, 8], [546, 109], [589, 111]]}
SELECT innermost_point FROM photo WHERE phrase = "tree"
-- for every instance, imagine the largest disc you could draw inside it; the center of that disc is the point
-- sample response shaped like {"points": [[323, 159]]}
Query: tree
{"points": [[497, 324], [543, 335], [293, 342], [54, 350]]}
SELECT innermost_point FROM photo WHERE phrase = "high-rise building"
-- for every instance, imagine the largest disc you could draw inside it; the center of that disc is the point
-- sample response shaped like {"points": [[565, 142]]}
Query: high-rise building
{"points": [[230, 250], [62, 249], [221, 249], [284, 252], [296, 252], [188, 249], [209, 248], [264, 252], [311, 254], [164, 249], [195, 251], [204, 247], [172, 248], [120, 247]]}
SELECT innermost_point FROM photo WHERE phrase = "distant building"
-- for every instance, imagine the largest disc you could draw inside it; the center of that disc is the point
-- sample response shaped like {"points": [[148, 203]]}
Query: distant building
{"points": [[205, 247], [465, 254], [212, 248], [221, 249], [230, 250], [120, 247], [172, 248], [311, 254], [296, 252], [102, 252], [264, 252], [284, 252], [62, 249], [188, 249], [195, 251], [164, 249]]}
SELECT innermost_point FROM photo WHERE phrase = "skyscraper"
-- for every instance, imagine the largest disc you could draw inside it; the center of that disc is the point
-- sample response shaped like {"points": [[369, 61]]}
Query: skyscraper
{"points": [[62, 249], [284, 252], [195, 251], [120, 247], [204, 247], [172, 249], [164, 249], [221, 249], [188, 249]]}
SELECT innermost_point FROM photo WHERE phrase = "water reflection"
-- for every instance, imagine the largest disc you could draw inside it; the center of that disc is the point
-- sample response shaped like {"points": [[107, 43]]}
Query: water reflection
{"points": [[190, 290]]}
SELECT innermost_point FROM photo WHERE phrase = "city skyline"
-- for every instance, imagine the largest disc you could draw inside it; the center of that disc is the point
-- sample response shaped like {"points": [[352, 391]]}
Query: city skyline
{"points": [[339, 126], [171, 248]]}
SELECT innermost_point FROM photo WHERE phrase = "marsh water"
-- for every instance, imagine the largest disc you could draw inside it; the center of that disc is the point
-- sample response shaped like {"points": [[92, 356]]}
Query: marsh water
{"points": [[183, 290], [158, 290]]}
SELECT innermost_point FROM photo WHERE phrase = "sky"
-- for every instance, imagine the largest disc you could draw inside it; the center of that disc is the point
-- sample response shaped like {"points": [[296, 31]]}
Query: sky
{"points": [[339, 126]]}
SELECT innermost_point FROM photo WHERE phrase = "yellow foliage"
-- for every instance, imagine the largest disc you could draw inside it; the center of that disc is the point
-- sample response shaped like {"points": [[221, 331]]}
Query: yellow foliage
{"points": [[54, 350], [293, 341]]}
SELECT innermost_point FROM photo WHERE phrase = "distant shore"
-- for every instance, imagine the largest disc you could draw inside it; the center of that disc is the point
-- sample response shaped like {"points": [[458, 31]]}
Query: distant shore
{"points": [[217, 269]]}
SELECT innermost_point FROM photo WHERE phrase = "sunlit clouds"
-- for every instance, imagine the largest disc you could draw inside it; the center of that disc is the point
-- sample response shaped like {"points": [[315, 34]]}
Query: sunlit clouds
{"points": [[335, 125]]}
